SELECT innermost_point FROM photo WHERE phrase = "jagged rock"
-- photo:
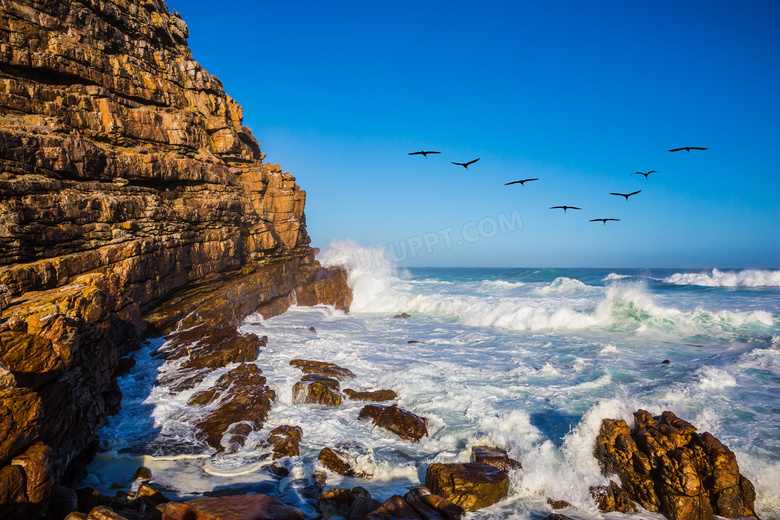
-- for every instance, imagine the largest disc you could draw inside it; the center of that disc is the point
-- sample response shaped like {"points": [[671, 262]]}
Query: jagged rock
{"points": [[209, 348], [255, 507], [558, 504], [345, 457], [346, 503], [132, 199], [284, 441], [667, 467], [315, 389], [472, 485], [495, 457], [405, 424], [417, 504], [612, 498], [244, 403], [322, 368], [376, 395]]}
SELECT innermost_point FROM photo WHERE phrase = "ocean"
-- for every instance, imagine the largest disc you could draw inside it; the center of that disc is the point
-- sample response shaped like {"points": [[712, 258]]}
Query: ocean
{"points": [[528, 360]]}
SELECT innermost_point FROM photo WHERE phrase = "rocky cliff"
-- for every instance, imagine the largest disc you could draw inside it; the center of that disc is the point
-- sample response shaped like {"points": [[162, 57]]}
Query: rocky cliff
{"points": [[131, 196]]}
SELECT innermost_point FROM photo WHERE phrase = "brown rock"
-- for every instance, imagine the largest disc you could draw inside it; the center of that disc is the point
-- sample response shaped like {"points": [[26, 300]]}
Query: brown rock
{"points": [[346, 503], [323, 368], [376, 395], [284, 441], [146, 491], [557, 516], [344, 456], [244, 403], [143, 473], [403, 315], [612, 498], [62, 502], [315, 389], [326, 285], [238, 507], [558, 504], [472, 486], [495, 457], [405, 424], [417, 504], [666, 466], [105, 513]]}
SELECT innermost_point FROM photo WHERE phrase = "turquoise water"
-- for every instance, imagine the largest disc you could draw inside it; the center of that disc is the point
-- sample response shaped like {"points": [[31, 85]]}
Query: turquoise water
{"points": [[529, 360]]}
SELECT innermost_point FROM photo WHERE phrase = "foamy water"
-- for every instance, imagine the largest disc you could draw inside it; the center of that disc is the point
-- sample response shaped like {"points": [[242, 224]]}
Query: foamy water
{"points": [[527, 360]]}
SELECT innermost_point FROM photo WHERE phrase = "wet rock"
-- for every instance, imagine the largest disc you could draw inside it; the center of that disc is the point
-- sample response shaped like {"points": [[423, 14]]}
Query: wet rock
{"points": [[326, 285], [495, 457], [558, 504], [403, 315], [346, 503], [62, 501], [89, 498], [472, 485], [316, 389], [254, 507], [557, 516], [205, 347], [322, 368], [665, 362], [417, 504], [150, 494], [376, 395], [143, 473], [346, 457], [405, 424], [243, 402], [666, 466], [612, 498], [105, 513], [312, 329], [284, 441]]}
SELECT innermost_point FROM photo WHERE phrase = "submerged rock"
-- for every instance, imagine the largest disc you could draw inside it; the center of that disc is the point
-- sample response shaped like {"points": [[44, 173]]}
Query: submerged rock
{"points": [[322, 368], [284, 441], [472, 485], [405, 424], [350, 459], [376, 395], [666, 467]]}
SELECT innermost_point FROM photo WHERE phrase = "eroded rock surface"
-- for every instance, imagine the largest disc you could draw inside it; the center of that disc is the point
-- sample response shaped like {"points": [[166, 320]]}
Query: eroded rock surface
{"points": [[322, 368], [667, 467], [375, 395], [316, 389], [133, 201], [401, 422], [472, 486], [417, 504]]}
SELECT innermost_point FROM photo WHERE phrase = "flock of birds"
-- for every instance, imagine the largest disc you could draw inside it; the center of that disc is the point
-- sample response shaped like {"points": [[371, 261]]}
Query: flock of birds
{"points": [[522, 182]]}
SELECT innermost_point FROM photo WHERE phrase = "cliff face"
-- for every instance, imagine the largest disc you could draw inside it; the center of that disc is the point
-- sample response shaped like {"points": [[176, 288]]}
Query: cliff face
{"points": [[131, 196]]}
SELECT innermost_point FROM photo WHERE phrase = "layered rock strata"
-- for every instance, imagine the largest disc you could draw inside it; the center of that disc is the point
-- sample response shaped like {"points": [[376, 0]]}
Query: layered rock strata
{"points": [[133, 201]]}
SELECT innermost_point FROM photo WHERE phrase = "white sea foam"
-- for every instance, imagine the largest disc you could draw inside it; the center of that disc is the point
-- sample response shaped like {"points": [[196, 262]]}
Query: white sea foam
{"points": [[564, 286], [613, 277], [718, 278]]}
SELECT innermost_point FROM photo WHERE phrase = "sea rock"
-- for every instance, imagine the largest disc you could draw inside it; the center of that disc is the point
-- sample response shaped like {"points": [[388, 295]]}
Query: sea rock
{"points": [[316, 389], [133, 201], [238, 507], [62, 502], [558, 504], [143, 473], [405, 424], [667, 467], [403, 315], [346, 503], [495, 457], [472, 485], [612, 498], [417, 504], [322, 368], [557, 516], [376, 395], [243, 404], [346, 457], [284, 441]]}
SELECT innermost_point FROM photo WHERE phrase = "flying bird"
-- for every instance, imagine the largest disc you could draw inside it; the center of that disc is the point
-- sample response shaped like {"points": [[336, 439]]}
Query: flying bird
{"points": [[604, 220], [522, 183], [688, 148], [643, 173], [424, 154], [564, 208], [466, 165], [626, 195]]}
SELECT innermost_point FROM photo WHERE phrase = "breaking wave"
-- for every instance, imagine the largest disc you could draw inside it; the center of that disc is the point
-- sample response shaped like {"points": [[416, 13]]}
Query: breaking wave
{"points": [[718, 278]]}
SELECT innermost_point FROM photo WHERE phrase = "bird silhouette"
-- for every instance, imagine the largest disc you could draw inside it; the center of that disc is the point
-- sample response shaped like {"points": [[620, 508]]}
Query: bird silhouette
{"points": [[626, 195], [424, 154], [564, 208], [522, 183], [465, 165], [688, 148], [643, 173], [604, 220]]}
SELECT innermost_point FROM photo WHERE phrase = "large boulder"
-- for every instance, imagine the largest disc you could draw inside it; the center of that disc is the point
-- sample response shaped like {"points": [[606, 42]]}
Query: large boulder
{"points": [[284, 441], [417, 504], [350, 459], [667, 467], [405, 424], [376, 395], [495, 457], [472, 485]]}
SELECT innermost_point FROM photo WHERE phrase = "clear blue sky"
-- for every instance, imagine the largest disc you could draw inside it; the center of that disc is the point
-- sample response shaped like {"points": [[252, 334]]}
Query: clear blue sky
{"points": [[578, 94]]}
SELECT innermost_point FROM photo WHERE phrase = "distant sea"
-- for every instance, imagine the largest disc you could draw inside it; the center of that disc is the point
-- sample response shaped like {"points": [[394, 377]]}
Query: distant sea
{"points": [[529, 360]]}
